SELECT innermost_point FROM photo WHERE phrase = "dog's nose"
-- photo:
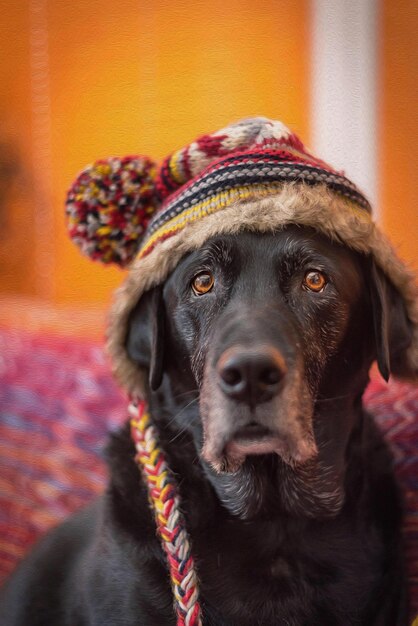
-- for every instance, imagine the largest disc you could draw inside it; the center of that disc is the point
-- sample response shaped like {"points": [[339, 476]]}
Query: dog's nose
{"points": [[251, 376]]}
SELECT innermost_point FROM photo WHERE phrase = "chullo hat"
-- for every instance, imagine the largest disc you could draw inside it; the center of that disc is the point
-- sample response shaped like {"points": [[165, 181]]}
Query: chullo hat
{"points": [[255, 175]]}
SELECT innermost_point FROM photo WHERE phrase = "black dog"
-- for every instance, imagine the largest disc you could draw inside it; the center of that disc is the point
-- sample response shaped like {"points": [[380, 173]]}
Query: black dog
{"points": [[257, 367]]}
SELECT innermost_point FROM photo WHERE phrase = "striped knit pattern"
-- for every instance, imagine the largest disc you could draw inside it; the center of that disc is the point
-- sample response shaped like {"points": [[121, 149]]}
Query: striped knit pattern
{"points": [[246, 175], [246, 160], [246, 134], [162, 490]]}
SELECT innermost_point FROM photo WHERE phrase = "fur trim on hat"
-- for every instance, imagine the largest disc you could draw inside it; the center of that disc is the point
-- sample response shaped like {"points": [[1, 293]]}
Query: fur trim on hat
{"points": [[295, 203]]}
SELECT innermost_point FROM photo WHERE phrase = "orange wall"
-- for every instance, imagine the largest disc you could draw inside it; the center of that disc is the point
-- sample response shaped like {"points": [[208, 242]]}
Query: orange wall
{"points": [[128, 77], [17, 241], [399, 125]]}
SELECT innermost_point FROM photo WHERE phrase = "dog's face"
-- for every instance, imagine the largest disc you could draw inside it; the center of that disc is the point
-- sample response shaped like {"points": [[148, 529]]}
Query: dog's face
{"points": [[260, 317], [273, 333]]}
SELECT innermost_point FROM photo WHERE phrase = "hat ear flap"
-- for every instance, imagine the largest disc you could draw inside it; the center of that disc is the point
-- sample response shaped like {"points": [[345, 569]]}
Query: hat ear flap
{"points": [[392, 327], [109, 206]]}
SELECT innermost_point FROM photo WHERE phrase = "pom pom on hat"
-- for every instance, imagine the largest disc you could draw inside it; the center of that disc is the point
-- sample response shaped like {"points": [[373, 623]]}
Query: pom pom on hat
{"points": [[109, 206]]}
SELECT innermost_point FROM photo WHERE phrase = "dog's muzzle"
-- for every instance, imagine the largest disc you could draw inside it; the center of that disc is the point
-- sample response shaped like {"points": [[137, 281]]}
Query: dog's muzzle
{"points": [[254, 402]]}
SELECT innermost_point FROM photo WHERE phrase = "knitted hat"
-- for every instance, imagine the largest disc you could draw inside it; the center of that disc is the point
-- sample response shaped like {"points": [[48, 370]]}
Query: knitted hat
{"points": [[253, 175]]}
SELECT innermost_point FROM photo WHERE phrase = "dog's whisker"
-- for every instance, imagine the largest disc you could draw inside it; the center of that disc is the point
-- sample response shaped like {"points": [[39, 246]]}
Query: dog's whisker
{"points": [[184, 428], [185, 393], [178, 434], [168, 407], [333, 398], [182, 410]]}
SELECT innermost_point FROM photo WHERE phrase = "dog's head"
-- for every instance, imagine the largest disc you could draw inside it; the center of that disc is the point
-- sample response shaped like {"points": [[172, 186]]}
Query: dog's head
{"points": [[269, 338], [257, 332]]}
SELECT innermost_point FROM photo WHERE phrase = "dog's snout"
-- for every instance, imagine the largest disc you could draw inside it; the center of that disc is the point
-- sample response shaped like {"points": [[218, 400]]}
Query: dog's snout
{"points": [[251, 376]]}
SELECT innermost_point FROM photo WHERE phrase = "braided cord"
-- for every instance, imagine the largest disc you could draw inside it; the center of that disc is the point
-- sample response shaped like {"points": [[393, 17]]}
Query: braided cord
{"points": [[170, 523]]}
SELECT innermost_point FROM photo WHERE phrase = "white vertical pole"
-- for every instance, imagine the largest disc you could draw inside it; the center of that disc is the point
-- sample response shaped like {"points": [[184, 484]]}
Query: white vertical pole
{"points": [[344, 88]]}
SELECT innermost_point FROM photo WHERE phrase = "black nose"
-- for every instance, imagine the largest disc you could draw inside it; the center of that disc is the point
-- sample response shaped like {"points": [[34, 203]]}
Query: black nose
{"points": [[251, 376]]}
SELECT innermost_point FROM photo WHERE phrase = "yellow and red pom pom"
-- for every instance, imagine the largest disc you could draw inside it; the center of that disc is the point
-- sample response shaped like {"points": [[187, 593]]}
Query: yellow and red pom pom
{"points": [[109, 206]]}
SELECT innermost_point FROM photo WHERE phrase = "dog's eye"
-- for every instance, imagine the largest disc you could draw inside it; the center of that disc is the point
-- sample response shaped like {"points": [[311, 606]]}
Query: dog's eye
{"points": [[202, 283], [314, 281]]}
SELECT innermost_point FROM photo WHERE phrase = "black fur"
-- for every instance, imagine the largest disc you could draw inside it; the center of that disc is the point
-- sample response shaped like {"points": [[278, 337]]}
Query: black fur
{"points": [[276, 541]]}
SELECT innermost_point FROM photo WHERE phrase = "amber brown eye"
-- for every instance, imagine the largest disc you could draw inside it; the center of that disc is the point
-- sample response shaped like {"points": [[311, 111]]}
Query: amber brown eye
{"points": [[314, 281], [202, 283]]}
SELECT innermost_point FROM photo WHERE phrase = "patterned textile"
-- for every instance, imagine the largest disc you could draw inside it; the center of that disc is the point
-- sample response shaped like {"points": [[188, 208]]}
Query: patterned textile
{"points": [[255, 173], [58, 401]]}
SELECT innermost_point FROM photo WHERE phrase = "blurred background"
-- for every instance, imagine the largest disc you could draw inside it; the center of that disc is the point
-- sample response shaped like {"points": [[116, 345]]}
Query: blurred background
{"points": [[83, 79]]}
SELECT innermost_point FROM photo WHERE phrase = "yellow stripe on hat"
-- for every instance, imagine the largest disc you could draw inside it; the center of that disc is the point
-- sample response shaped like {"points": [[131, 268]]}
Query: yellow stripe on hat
{"points": [[174, 167], [206, 207], [220, 201]]}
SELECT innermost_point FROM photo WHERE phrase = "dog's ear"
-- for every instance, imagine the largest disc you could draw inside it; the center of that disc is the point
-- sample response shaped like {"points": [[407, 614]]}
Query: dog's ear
{"points": [[145, 337], [392, 328]]}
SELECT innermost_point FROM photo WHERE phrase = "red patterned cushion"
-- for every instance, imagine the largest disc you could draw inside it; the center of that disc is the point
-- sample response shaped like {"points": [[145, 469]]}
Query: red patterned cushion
{"points": [[58, 401]]}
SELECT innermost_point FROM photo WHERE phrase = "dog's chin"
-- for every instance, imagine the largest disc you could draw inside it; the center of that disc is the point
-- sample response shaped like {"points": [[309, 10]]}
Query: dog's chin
{"points": [[245, 443]]}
